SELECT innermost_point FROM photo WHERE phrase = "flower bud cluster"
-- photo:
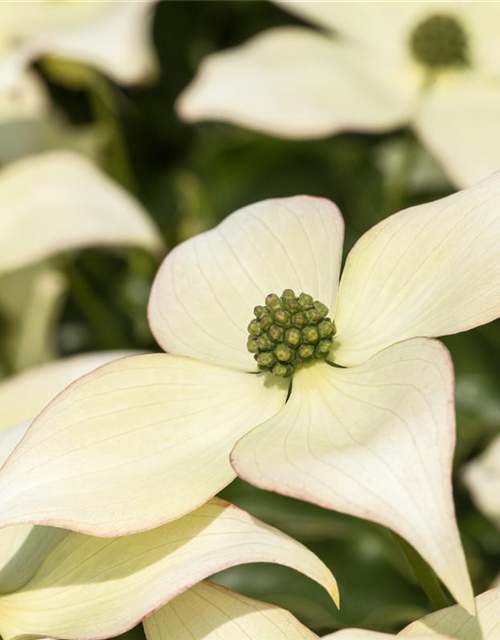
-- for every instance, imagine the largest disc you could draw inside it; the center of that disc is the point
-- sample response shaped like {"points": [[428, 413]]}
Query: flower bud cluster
{"points": [[289, 331], [440, 42]]}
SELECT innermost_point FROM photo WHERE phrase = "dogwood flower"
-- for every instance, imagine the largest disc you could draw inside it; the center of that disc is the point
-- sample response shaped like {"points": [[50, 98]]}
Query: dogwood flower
{"points": [[110, 36], [210, 612], [482, 477], [149, 438], [372, 67], [54, 583]]}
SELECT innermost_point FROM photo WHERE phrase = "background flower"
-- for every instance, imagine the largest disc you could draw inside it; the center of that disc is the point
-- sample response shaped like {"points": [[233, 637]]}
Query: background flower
{"points": [[372, 67]]}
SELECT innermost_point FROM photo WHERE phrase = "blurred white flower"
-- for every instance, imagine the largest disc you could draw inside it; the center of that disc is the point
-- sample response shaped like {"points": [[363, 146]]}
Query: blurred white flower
{"points": [[373, 66], [210, 612], [482, 477], [49, 204], [113, 37]]}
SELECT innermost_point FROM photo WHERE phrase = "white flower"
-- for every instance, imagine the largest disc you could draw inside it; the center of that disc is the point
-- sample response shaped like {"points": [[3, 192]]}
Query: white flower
{"points": [[210, 612], [54, 583], [373, 67], [110, 36], [147, 439]]}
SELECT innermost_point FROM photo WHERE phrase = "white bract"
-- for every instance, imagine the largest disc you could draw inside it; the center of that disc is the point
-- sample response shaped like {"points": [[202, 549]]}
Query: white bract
{"points": [[372, 67], [59, 201], [210, 612], [54, 583], [482, 476], [147, 439], [113, 37]]}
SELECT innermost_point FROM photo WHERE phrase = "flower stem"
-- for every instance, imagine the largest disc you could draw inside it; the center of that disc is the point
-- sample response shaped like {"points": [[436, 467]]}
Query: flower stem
{"points": [[396, 187], [423, 574]]}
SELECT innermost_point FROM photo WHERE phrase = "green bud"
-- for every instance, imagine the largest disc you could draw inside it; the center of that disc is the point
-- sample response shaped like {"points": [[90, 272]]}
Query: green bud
{"points": [[305, 301], [273, 303], [313, 316], [282, 317], [299, 319], [254, 328], [293, 337], [252, 345], [305, 351], [326, 329], [321, 308], [310, 334], [264, 342], [276, 333], [266, 359], [288, 332], [323, 348], [284, 353], [282, 370]]}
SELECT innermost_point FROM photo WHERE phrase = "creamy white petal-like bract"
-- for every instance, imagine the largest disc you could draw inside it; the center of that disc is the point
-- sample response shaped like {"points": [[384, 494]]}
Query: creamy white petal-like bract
{"points": [[95, 588], [114, 37], [59, 201], [208, 611], [482, 477], [24, 395], [24, 547], [211, 612], [458, 121], [136, 443], [430, 270], [456, 623], [375, 441], [298, 83], [204, 294]]}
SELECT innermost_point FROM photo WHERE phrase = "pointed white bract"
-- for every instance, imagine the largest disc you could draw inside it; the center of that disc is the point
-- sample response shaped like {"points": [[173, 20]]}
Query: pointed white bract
{"points": [[59, 201], [357, 71], [376, 439], [138, 442]]}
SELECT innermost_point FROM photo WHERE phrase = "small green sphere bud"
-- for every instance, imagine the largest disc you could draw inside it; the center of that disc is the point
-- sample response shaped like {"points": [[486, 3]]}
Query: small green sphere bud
{"points": [[323, 348], [305, 301], [299, 320], [326, 329], [288, 332], [265, 322], [305, 351], [284, 353], [292, 336], [254, 328], [310, 334], [266, 359], [276, 333], [282, 317], [273, 303], [259, 311], [252, 345], [282, 370], [321, 308], [264, 342], [313, 316]]}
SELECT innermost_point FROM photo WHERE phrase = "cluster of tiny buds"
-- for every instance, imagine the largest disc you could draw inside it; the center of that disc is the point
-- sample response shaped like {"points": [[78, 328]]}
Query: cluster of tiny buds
{"points": [[289, 331]]}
